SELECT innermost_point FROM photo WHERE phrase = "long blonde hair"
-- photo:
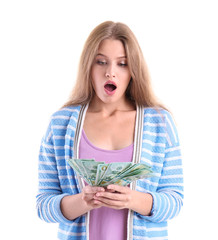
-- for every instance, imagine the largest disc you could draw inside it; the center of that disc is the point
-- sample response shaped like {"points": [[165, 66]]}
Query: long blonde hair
{"points": [[139, 89]]}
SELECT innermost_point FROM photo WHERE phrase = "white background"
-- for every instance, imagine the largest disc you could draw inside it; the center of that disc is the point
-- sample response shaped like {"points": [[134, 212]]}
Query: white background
{"points": [[40, 46]]}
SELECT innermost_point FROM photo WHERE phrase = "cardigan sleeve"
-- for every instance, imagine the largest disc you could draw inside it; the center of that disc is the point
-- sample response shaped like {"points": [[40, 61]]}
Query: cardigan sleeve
{"points": [[168, 198], [49, 194]]}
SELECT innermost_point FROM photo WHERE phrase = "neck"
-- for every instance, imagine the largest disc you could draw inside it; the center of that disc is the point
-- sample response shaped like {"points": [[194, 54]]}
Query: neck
{"points": [[96, 105]]}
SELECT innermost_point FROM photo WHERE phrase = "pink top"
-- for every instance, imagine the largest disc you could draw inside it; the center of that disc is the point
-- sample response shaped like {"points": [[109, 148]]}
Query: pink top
{"points": [[106, 223]]}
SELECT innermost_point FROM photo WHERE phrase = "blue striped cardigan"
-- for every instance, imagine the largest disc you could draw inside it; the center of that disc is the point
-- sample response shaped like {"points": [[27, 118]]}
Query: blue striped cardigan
{"points": [[156, 143]]}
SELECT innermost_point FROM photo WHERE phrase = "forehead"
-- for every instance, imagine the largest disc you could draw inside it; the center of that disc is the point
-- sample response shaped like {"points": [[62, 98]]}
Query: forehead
{"points": [[112, 48]]}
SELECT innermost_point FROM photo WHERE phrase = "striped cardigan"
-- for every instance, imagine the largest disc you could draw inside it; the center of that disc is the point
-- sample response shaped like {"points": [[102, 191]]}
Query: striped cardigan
{"points": [[156, 143]]}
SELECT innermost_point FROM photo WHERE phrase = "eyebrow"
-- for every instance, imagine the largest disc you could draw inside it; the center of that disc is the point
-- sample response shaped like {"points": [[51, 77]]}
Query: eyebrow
{"points": [[100, 54]]}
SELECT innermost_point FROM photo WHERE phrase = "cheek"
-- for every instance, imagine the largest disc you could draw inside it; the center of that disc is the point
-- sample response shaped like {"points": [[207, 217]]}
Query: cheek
{"points": [[94, 85], [93, 77], [127, 78], [96, 73], [125, 75], [96, 80]]}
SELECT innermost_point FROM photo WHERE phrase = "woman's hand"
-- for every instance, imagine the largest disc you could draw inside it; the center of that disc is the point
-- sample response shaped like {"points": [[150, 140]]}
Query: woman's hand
{"points": [[119, 197], [88, 193], [73, 206]]}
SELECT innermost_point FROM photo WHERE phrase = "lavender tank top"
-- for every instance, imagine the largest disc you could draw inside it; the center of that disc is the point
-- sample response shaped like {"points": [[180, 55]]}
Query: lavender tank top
{"points": [[106, 223]]}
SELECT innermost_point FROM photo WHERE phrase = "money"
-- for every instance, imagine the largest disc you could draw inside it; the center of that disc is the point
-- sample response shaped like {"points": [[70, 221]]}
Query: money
{"points": [[102, 174]]}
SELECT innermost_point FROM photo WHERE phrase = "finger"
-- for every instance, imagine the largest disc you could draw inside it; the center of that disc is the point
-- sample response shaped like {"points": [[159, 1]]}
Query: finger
{"points": [[95, 203], [90, 189], [109, 195], [111, 203], [110, 190], [87, 197], [118, 188]]}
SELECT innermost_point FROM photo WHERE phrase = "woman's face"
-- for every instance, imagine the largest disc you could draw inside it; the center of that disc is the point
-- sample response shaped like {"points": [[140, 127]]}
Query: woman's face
{"points": [[110, 72]]}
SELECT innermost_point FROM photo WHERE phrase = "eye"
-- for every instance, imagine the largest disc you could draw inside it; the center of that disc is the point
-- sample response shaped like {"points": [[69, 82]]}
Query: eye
{"points": [[101, 62], [122, 64]]}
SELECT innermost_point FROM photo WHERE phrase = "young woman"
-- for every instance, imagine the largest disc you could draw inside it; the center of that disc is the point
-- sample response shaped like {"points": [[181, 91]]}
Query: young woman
{"points": [[112, 116]]}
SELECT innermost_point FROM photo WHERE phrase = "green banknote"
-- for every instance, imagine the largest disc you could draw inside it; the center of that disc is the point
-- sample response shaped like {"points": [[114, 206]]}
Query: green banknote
{"points": [[102, 174], [91, 169], [78, 167], [111, 170]]}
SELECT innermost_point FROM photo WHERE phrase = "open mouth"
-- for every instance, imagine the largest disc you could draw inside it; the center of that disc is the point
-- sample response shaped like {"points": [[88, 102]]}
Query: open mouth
{"points": [[110, 86]]}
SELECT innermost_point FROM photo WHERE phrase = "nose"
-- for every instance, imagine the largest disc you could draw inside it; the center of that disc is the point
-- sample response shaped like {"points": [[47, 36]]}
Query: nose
{"points": [[110, 71]]}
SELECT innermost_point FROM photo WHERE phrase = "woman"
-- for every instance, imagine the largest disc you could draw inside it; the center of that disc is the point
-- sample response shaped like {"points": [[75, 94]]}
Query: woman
{"points": [[112, 115]]}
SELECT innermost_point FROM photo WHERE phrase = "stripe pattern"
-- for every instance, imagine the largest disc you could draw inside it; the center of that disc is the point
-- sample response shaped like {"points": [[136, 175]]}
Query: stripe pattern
{"points": [[160, 149]]}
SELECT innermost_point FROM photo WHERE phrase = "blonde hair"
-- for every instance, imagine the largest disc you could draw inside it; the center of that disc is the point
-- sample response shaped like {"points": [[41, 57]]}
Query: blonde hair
{"points": [[139, 89]]}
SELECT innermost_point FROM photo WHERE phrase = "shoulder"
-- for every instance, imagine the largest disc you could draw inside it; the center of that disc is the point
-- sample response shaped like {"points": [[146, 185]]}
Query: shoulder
{"points": [[59, 121], [61, 118], [163, 121], [66, 112], [157, 114]]}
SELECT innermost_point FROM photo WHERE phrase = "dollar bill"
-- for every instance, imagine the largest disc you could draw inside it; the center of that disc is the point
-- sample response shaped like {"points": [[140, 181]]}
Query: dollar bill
{"points": [[135, 172], [77, 165], [111, 170], [102, 174], [91, 169]]}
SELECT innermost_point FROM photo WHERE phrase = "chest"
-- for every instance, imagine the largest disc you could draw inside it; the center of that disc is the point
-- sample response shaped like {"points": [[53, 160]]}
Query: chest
{"points": [[111, 133]]}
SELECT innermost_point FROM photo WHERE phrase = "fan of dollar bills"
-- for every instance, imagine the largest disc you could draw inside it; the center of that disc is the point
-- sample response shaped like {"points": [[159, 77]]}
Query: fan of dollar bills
{"points": [[102, 174]]}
